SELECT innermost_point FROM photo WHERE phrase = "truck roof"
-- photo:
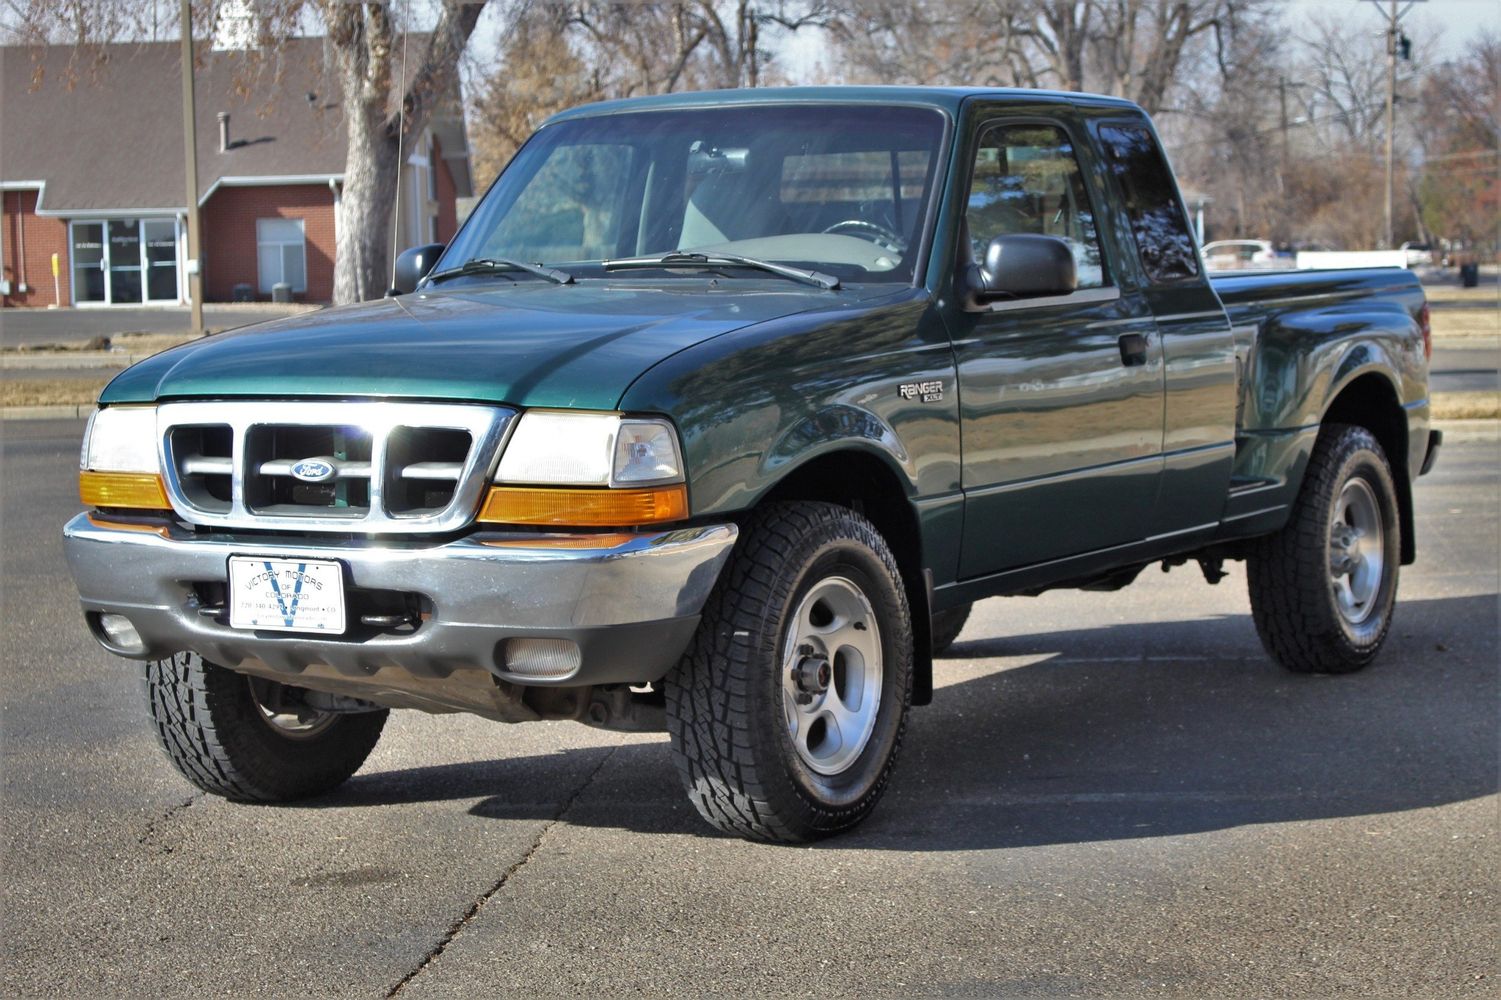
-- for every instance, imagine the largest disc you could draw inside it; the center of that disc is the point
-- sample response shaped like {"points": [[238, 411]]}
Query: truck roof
{"points": [[946, 99]]}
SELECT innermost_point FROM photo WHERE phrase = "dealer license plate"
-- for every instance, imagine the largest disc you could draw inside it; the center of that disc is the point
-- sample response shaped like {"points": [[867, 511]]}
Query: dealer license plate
{"points": [[286, 595]]}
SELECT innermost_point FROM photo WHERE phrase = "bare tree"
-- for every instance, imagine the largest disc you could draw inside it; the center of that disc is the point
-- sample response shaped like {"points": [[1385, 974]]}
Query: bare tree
{"points": [[1458, 192], [1060, 30], [541, 72], [381, 112], [951, 42], [1132, 48], [1347, 81]]}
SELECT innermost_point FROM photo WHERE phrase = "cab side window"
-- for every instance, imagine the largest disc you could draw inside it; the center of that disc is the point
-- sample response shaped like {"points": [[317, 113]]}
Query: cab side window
{"points": [[1027, 180], [1163, 241]]}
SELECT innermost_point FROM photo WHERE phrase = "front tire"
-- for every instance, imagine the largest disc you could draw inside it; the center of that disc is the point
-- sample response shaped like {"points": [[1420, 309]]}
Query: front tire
{"points": [[246, 739], [788, 708], [1324, 587]]}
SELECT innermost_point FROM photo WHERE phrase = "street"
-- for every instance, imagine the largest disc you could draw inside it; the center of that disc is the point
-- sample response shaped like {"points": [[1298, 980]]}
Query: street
{"points": [[1456, 368], [77, 326], [1112, 794]]}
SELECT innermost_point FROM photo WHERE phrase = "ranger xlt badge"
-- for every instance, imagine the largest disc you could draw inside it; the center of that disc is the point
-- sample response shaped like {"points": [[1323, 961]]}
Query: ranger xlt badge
{"points": [[928, 392]]}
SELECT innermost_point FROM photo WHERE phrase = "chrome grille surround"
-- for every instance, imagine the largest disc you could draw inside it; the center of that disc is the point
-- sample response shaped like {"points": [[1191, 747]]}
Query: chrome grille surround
{"points": [[378, 422]]}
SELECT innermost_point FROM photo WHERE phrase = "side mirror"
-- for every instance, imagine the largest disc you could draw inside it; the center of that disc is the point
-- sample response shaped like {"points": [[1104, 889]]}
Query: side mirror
{"points": [[412, 266], [1022, 265]]}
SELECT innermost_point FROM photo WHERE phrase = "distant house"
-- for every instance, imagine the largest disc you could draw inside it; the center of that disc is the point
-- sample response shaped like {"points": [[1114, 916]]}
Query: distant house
{"points": [[92, 171]]}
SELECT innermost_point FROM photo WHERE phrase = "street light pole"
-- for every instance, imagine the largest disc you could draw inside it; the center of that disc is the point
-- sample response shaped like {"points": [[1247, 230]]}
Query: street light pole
{"points": [[193, 264]]}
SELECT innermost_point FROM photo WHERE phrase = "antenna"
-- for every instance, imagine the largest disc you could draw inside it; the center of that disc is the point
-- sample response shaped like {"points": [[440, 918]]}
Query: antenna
{"points": [[401, 128]]}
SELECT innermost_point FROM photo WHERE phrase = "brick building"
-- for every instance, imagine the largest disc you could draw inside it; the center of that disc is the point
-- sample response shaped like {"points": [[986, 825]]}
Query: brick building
{"points": [[91, 171]]}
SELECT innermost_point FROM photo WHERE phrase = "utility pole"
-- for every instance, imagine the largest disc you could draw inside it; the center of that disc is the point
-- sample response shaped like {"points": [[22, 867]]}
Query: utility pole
{"points": [[193, 264], [1282, 156], [1394, 40]]}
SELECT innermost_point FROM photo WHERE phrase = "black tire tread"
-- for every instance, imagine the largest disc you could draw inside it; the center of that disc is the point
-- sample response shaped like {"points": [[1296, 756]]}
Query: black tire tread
{"points": [[201, 715], [719, 752], [1287, 572]]}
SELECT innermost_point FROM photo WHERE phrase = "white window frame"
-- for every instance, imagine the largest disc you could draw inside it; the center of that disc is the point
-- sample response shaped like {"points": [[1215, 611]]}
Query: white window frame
{"points": [[263, 286]]}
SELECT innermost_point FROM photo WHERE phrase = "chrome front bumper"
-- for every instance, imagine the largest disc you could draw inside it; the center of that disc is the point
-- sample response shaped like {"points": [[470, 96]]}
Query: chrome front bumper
{"points": [[630, 602]]}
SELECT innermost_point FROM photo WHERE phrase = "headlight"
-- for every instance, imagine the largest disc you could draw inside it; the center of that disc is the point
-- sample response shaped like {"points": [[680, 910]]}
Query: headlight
{"points": [[118, 464], [120, 439], [646, 451], [600, 470], [590, 449]]}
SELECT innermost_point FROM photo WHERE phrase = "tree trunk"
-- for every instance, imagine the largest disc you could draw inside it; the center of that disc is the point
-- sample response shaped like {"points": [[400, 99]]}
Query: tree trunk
{"points": [[364, 43], [362, 261]]}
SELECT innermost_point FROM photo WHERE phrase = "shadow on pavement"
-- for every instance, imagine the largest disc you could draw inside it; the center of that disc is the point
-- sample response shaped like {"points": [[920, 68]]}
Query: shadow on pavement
{"points": [[1198, 732]]}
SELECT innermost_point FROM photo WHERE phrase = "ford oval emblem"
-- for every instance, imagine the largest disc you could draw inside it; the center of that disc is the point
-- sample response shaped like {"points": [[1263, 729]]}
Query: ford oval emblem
{"points": [[313, 470]]}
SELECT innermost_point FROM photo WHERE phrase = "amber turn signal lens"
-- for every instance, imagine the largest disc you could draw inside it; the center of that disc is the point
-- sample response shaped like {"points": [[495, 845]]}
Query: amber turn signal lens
{"points": [[123, 489], [576, 508]]}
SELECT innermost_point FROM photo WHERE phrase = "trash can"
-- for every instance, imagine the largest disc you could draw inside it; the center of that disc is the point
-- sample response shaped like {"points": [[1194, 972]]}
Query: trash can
{"points": [[243, 292], [1469, 274], [281, 292]]}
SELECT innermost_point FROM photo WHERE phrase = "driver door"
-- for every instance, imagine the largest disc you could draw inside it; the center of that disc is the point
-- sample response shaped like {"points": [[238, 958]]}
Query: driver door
{"points": [[1062, 396]]}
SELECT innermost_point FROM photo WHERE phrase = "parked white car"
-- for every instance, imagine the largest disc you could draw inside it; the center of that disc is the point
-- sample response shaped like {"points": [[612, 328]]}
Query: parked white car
{"points": [[1243, 255], [1418, 254]]}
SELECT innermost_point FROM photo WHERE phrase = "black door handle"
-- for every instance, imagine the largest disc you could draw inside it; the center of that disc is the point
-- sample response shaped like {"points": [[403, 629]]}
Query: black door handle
{"points": [[1133, 350]]}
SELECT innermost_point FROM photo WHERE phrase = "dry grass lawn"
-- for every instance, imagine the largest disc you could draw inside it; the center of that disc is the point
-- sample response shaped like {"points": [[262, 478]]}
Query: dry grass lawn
{"points": [[1467, 406], [141, 344], [1465, 313], [51, 391]]}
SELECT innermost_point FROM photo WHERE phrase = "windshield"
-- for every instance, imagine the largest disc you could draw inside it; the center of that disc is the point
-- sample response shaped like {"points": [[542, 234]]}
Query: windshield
{"points": [[841, 189]]}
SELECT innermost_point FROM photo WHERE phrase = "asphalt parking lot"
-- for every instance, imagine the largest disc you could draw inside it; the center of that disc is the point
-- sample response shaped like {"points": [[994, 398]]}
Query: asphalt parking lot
{"points": [[1112, 795]]}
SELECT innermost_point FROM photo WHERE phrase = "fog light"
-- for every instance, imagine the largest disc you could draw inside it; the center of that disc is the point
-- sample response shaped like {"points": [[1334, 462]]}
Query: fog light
{"points": [[542, 658], [120, 631]]}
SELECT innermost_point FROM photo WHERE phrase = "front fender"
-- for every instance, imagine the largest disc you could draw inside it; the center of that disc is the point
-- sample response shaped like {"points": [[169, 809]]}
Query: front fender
{"points": [[754, 405]]}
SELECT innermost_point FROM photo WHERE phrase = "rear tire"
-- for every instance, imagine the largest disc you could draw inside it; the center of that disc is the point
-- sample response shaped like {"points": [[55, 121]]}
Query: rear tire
{"points": [[232, 736], [1324, 587], [787, 711], [947, 625]]}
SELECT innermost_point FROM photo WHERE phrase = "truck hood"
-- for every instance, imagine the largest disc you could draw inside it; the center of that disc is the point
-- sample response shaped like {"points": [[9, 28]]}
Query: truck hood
{"points": [[527, 344]]}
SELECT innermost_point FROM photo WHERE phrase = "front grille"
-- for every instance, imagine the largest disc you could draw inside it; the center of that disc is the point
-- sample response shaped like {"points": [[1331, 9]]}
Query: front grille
{"points": [[273, 451], [424, 465], [377, 467]]}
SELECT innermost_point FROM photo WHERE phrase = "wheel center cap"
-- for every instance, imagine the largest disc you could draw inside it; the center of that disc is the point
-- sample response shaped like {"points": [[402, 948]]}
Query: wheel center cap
{"points": [[812, 674]]}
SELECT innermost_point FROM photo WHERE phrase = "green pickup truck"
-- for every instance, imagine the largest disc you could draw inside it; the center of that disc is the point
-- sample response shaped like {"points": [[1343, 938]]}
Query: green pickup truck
{"points": [[715, 417]]}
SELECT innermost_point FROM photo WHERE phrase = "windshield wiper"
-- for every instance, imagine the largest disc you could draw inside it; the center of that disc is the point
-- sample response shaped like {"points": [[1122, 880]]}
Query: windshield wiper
{"points": [[683, 258], [498, 265]]}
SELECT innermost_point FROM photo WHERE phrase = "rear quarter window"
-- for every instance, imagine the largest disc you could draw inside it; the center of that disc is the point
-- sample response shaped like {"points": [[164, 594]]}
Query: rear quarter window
{"points": [[1163, 240]]}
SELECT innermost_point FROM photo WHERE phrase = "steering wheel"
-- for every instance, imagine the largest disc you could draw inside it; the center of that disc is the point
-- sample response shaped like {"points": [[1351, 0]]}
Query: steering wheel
{"points": [[873, 231]]}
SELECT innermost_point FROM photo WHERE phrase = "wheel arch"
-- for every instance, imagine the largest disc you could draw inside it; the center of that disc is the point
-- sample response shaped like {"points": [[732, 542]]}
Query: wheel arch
{"points": [[869, 484], [1368, 399]]}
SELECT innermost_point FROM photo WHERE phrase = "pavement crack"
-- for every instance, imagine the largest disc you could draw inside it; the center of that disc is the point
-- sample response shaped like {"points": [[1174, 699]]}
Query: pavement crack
{"points": [[500, 883]]}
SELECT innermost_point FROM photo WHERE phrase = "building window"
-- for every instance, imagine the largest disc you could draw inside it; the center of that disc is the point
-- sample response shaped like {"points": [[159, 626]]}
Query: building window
{"points": [[281, 249]]}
